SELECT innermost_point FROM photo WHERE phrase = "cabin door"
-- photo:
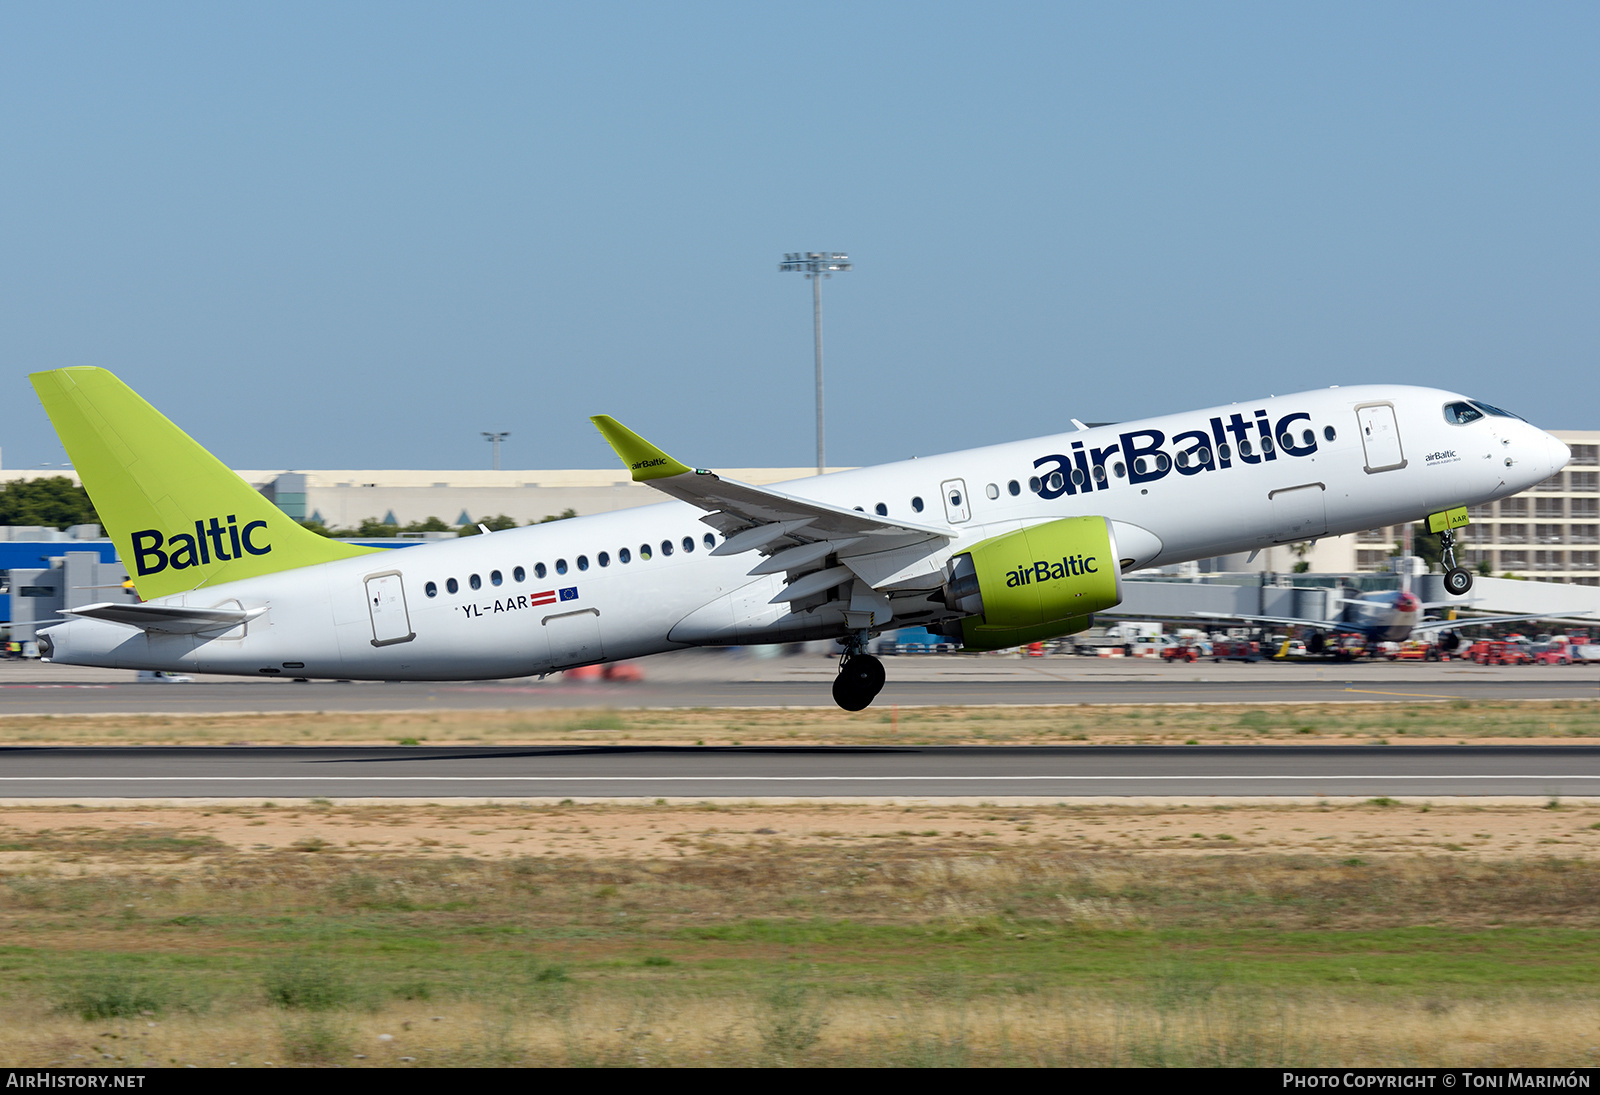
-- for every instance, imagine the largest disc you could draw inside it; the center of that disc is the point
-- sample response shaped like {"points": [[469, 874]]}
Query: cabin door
{"points": [[1380, 437], [386, 604]]}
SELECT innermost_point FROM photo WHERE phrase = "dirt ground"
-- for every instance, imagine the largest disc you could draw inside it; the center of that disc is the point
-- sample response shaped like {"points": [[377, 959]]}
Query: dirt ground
{"points": [[34, 838]]}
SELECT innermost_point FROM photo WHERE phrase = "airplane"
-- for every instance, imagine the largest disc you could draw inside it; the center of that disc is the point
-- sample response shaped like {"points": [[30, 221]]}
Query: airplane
{"points": [[1389, 616], [997, 546]]}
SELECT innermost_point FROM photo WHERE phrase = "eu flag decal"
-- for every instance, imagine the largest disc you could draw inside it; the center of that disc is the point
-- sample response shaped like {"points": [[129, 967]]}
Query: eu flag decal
{"points": [[570, 593]]}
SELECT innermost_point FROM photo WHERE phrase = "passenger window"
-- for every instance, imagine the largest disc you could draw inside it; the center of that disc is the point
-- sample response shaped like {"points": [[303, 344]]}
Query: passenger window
{"points": [[561, 566], [1309, 438], [451, 585], [1119, 469], [1328, 432], [475, 582], [1014, 487], [1203, 456], [494, 578], [1183, 460], [538, 570], [583, 562], [1246, 449], [688, 543], [1054, 481], [709, 541], [881, 510], [604, 559], [431, 590], [916, 504], [666, 547], [1077, 478], [992, 490], [1286, 439], [625, 556], [1227, 453], [1099, 473], [519, 575], [1163, 462], [1266, 444], [644, 553], [1034, 484]]}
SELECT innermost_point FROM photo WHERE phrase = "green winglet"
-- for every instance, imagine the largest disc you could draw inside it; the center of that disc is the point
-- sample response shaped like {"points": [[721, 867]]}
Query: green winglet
{"points": [[643, 459]]}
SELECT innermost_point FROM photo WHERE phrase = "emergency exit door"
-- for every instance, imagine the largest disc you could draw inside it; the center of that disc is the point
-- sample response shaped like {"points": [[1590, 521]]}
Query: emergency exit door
{"points": [[1380, 437], [386, 603]]}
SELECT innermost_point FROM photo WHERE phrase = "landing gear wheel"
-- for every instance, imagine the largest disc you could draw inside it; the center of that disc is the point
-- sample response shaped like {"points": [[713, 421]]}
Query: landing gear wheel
{"points": [[1457, 581], [860, 679]]}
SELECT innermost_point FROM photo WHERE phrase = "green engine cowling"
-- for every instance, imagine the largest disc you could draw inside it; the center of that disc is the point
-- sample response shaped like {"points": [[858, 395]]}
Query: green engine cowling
{"points": [[1034, 584]]}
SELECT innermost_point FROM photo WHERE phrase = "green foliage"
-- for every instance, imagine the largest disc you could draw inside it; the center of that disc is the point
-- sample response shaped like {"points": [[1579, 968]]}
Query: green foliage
{"points": [[565, 515], [498, 523], [112, 995], [307, 983], [373, 529], [317, 527], [54, 501], [1425, 545], [791, 1023], [315, 1040]]}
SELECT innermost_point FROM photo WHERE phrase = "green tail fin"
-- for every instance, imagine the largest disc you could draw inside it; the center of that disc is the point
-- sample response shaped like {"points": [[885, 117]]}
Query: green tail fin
{"points": [[180, 517]]}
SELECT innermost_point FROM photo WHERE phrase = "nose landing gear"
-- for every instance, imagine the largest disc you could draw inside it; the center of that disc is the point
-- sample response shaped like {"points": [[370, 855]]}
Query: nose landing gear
{"points": [[1457, 580], [860, 678]]}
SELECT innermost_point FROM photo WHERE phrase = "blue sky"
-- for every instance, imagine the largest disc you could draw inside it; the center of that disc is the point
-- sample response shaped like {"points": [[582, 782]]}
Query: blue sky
{"points": [[356, 235]]}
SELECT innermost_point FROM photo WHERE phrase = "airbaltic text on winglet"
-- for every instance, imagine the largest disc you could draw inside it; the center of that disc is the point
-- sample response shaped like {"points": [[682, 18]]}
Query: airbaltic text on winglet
{"points": [[153, 552], [655, 463]]}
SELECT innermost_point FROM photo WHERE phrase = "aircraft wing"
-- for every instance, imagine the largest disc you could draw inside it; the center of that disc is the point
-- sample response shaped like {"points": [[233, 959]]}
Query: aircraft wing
{"points": [[169, 619], [1287, 621], [758, 518], [1449, 625]]}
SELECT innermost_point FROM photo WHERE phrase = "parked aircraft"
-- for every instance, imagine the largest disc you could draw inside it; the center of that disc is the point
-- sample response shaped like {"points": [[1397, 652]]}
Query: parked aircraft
{"points": [[1000, 546], [1390, 616]]}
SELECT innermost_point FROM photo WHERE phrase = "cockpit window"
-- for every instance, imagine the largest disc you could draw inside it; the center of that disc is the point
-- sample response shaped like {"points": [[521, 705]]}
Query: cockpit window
{"points": [[1496, 411], [1461, 413]]}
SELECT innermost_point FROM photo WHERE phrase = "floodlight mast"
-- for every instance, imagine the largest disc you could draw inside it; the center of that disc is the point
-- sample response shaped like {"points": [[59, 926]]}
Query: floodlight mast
{"points": [[495, 439], [816, 265]]}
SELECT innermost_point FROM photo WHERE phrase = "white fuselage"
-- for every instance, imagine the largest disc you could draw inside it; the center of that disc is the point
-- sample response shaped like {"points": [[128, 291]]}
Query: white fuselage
{"points": [[1362, 467]]}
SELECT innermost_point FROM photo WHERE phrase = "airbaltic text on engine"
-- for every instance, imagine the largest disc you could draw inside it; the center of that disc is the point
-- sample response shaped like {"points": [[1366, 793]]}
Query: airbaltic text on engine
{"points": [[1043, 570]]}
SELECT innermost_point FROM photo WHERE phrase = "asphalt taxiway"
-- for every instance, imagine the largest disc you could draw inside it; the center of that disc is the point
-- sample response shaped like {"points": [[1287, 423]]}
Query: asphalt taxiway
{"points": [[804, 772], [698, 679]]}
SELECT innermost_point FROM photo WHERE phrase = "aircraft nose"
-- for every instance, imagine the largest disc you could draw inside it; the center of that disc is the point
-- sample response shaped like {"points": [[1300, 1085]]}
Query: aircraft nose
{"points": [[1558, 452]]}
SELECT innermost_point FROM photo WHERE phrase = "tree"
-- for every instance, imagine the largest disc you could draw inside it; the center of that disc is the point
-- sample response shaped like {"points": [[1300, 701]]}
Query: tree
{"points": [[1425, 545], [566, 514], [54, 501], [493, 524]]}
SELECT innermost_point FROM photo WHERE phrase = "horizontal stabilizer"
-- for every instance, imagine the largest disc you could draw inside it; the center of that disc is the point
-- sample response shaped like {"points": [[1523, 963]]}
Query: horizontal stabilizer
{"points": [[168, 619]]}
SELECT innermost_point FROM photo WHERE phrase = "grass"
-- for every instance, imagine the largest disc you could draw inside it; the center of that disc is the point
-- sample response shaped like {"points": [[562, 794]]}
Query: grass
{"points": [[808, 946], [1088, 724]]}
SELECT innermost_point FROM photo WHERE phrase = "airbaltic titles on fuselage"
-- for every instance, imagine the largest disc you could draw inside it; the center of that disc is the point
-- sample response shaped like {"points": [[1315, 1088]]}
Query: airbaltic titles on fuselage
{"points": [[209, 542], [1254, 441]]}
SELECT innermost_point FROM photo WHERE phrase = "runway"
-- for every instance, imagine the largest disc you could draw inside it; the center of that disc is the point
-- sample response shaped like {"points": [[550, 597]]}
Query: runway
{"points": [[700, 680], [966, 772]]}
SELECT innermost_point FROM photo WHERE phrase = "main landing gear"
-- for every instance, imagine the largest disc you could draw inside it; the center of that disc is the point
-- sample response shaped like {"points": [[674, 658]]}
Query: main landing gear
{"points": [[860, 676], [1457, 580]]}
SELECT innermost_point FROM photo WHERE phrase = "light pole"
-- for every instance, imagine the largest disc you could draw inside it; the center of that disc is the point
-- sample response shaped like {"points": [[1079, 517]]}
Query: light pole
{"points": [[495, 439], [816, 265]]}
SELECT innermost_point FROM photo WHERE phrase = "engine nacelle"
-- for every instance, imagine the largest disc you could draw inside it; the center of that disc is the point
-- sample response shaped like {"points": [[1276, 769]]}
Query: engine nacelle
{"points": [[1034, 584]]}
